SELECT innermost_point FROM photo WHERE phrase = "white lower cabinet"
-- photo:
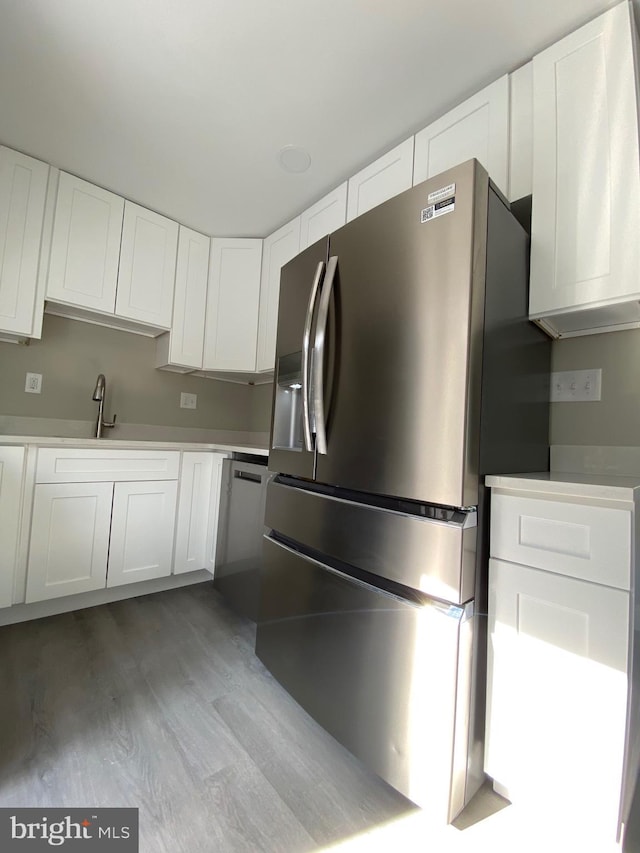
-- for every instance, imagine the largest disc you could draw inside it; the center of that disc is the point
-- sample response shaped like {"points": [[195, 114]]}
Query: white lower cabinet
{"points": [[101, 518], [108, 517], [198, 507], [558, 655], [11, 467], [562, 730], [142, 526], [69, 539]]}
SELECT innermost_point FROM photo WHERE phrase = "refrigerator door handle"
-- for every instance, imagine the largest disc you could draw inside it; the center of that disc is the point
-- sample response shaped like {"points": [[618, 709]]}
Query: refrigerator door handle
{"points": [[318, 356], [306, 361]]}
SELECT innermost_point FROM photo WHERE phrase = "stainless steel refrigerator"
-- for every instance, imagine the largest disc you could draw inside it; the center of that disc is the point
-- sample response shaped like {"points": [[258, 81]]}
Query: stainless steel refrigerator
{"points": [[405, 370]]}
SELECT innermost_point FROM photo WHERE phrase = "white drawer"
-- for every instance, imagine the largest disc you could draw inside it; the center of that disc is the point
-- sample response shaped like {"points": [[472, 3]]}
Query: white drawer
{"points": [[588, 542], [69, 465]]}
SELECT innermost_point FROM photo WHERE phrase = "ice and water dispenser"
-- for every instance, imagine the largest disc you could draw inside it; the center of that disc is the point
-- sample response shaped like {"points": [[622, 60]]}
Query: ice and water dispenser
{"points": [[287, 420]]}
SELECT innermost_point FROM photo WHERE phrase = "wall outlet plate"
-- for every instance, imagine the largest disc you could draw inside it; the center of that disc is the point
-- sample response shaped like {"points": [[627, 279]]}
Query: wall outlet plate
{"points": [[33, 383], [574, 386], [188, 401]]}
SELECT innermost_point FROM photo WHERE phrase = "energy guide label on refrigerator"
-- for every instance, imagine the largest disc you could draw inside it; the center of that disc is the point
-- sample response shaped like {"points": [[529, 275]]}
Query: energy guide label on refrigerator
{"points": [[438, 209]]}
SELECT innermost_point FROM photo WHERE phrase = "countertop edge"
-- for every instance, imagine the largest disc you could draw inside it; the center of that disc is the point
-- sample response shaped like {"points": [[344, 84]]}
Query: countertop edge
{"points": [[561, 484], [130, 444]]}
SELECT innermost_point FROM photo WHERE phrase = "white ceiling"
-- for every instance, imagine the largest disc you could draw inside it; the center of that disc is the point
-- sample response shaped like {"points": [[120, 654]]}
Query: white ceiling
{"points": [[183, 105]]}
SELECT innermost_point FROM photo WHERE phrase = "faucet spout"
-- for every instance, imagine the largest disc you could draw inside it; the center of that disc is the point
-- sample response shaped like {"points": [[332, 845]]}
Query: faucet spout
{"points": [[99, 395]]}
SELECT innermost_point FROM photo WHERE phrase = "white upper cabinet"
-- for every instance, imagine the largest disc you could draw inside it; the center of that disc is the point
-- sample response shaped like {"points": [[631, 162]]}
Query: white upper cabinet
{"points": [[232, 305], [387, 176], [182, 347], [278, 249], [585, 251], [521, 133], [325, 216], [85, 249], [478, 128], [147, 266], [23, 188]]}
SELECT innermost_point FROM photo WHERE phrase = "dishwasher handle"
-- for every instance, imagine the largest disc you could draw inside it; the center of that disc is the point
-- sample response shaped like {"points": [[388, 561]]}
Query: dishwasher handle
{"points": [[249, 476]]}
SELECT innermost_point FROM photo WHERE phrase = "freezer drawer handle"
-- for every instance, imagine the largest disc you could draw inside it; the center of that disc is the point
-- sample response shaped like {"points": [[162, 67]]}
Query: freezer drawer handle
{"points": [[318, 357], [306, 339], [247, 475]]}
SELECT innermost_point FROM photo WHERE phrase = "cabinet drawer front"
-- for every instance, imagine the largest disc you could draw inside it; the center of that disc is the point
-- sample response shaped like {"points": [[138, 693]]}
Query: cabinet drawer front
{"points": [[588, 542], [57, 465]]}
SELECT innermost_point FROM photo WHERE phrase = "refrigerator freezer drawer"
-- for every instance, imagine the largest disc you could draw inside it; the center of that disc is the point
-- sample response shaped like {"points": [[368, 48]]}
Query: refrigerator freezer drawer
{"points": [[388, 679], [435, 557]]}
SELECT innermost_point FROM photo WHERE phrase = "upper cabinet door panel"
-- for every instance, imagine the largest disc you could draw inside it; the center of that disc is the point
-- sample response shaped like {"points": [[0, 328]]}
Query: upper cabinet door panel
{"points": [[190, 299], [325, 216], [232, 305], [147, 267], [278, 249], [521, 133], [586, 173], [85, 247], [387, 176], [23, 187], [478, 128]]}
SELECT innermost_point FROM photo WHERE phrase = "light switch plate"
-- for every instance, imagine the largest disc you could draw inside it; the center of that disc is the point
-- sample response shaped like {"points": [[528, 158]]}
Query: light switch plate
{"points": [[188, 401], [33, 383], [572, 386]]}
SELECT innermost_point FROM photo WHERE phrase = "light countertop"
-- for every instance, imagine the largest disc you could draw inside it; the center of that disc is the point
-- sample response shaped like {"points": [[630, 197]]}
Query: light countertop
{"points": [[131, 444], [563, 484]]}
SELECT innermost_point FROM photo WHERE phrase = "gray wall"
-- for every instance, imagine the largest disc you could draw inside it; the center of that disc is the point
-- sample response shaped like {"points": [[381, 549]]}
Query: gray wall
{"points": [[261, 398], [70, 356], [615, 420]]}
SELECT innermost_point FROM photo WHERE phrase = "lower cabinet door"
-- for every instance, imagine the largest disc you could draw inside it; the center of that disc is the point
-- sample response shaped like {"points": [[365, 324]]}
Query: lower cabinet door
{"points": [[557, 695], [197, 510], [11, 462], [142, 531], [69, 539]]}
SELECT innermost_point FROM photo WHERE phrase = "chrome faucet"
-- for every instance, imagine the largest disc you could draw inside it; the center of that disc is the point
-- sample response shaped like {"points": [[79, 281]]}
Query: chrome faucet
{"points": [[98, 396]]}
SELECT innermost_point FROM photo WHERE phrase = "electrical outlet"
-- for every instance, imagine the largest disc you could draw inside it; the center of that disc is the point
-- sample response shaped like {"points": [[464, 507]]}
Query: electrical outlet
{"points": [[571, 386], [33, 384], [188, 401]]}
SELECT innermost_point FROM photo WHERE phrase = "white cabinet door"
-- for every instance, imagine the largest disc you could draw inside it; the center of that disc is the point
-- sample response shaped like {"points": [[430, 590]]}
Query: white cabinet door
{"points": [[69, 539], [521, 133], [186, 338], [557, 693], [387, 176], [23, 187], [478, 128], [147, 267], [278, 249], [214, 512], [198, 497], [11, 468], [325, 216], [233, 303], [142, 530], [85, 248], [585, 250]]}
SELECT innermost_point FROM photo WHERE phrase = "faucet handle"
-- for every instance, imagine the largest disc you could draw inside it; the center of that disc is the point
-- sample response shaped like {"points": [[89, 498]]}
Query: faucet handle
{"points": [[110, 423]]}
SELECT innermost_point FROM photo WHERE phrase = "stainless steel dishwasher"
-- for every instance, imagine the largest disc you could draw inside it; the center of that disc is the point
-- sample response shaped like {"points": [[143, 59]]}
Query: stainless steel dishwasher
{"points": [[240, 531]]}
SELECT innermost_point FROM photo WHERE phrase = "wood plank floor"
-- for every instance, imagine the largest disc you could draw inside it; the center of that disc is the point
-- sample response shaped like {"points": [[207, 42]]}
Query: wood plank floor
{"points": [[159, 703]]}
